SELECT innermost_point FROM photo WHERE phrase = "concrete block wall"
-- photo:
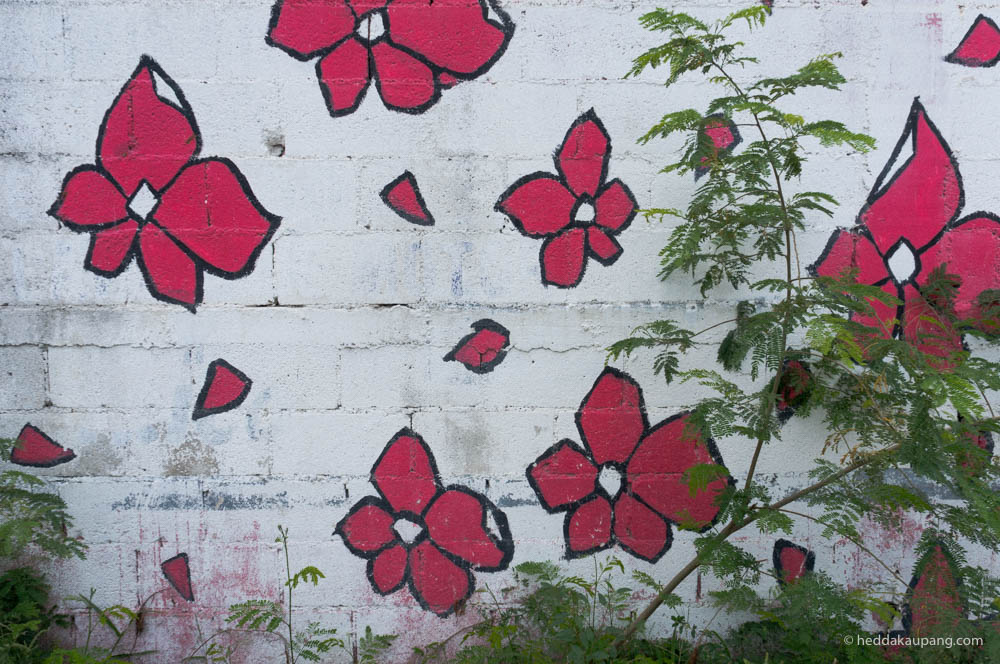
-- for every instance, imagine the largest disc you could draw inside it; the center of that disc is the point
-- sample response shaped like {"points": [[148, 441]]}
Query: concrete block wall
{"points": [[344, 320]]}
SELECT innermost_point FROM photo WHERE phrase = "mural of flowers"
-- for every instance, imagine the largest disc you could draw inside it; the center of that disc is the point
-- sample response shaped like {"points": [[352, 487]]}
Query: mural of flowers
{"points": [[626, 484], [420, 533], [412, 49], [149, 197], [577, 211], [909, 228]]}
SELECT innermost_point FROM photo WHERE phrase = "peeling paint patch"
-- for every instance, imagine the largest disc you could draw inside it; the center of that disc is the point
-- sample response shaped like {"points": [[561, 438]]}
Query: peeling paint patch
{"points": [[192, 457]]}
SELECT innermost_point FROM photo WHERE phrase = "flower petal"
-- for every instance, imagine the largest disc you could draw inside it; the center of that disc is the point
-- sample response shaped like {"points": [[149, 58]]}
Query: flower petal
{"points": [[588, 527], [89, 200], [980, 47], [405, 83], [538, 204], [435, 581], [641, 531], [602, 246], [367, 528], [457, 523], [405, 473], [482, 350], [111, 249], [224, 389], [612, 417], [583, 157], [343, 77], [925, 329], [403, 197], [970, 250], [456, 35], [387, 570], [934, 604], [34, 448], [178, 573], [851, 250], [563, 258], [615, 206], [562, 476], [655, 474], [303, 28], [791, 561], [171, 274], [211, 210], [883, 323], [146, 136], [922, 196]]}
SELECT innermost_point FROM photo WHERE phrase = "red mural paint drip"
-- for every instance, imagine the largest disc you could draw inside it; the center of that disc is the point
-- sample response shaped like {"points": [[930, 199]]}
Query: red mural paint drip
{"points": [[980, 47], [933, 605], [791, 561], [402, 195], [482, 350], [178, 573], [34, 448], [225, 388]]}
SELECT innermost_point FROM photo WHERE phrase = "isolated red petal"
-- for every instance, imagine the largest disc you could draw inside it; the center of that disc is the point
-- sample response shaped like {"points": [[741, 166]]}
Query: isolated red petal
{"points": [[452, 34], [112, 246], [343, 73], [611, 418], [540, 205], [209, 211], [721, 132], [307, 26], [402, 195], [846, 251], [171, 273], [589, 526], [583, 155], [405, 474], [563, 258], [791, 561], [614, 207], [455, 523], [179, 575], [482, 350], [144, 137], [980, 46], [438, 583], [640, 529], [388, 569], [225, 388], [935, 605], [563, 475], [367, 528], [925, 329], [404, 82], [89, 199], [971, 250], [923, 195], [34, 448], [602, 244]]}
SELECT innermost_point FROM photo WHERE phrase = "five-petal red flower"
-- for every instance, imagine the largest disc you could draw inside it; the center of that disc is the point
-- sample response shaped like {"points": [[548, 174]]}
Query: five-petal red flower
{"points": [[454, 535], [577, 211], [149, 197], [411, 48], [649, 462], [910, 224]]}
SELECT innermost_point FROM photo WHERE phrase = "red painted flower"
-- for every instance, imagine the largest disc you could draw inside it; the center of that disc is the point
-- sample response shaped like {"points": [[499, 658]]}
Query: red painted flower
{"points": [[627, 484], [411, 48], [907, 229], [420, 533], [577, 211], [149, 197]]}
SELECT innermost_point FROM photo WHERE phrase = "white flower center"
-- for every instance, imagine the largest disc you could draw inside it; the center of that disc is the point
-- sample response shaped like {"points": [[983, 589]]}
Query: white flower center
{"points": [[610, 480], [902, 263], [585, 213], [143, 201], [371, 27], [406, 529]]}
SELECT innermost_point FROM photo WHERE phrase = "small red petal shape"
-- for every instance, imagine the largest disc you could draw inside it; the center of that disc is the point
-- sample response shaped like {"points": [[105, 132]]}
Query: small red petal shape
{"points": [[343, 74], [793, 563], [171, 274], [89, 199], [388, 569], [438, 584], [852, 251], [144, 137], [922, 196], [611, 418], [403, 81], [225, 388], [482, 350], [452, 34], [721, 134], [111, 247], [209, 211], [655, 474], [603, 245], [970, 250], [934, 604], [33, 448], [589, 526], [920, 329], [583, 155], [562, 476], [402, 195], [307, 26], [563, 258], [614, 207], [367, 528], [540, 205], [179, 575], [639, 529], [405, 473], [455, 523], [980, 47]]}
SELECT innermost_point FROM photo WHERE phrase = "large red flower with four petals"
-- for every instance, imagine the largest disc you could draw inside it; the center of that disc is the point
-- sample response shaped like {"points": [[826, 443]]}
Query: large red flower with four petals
{"points": [[420, 533], [412, 48], [149, 197], [577, 211], [628, 483], [909, 228]]}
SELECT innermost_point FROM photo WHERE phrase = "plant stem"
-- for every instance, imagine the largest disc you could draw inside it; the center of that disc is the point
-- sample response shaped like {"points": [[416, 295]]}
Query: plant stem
{"points": [[288, 577]]}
